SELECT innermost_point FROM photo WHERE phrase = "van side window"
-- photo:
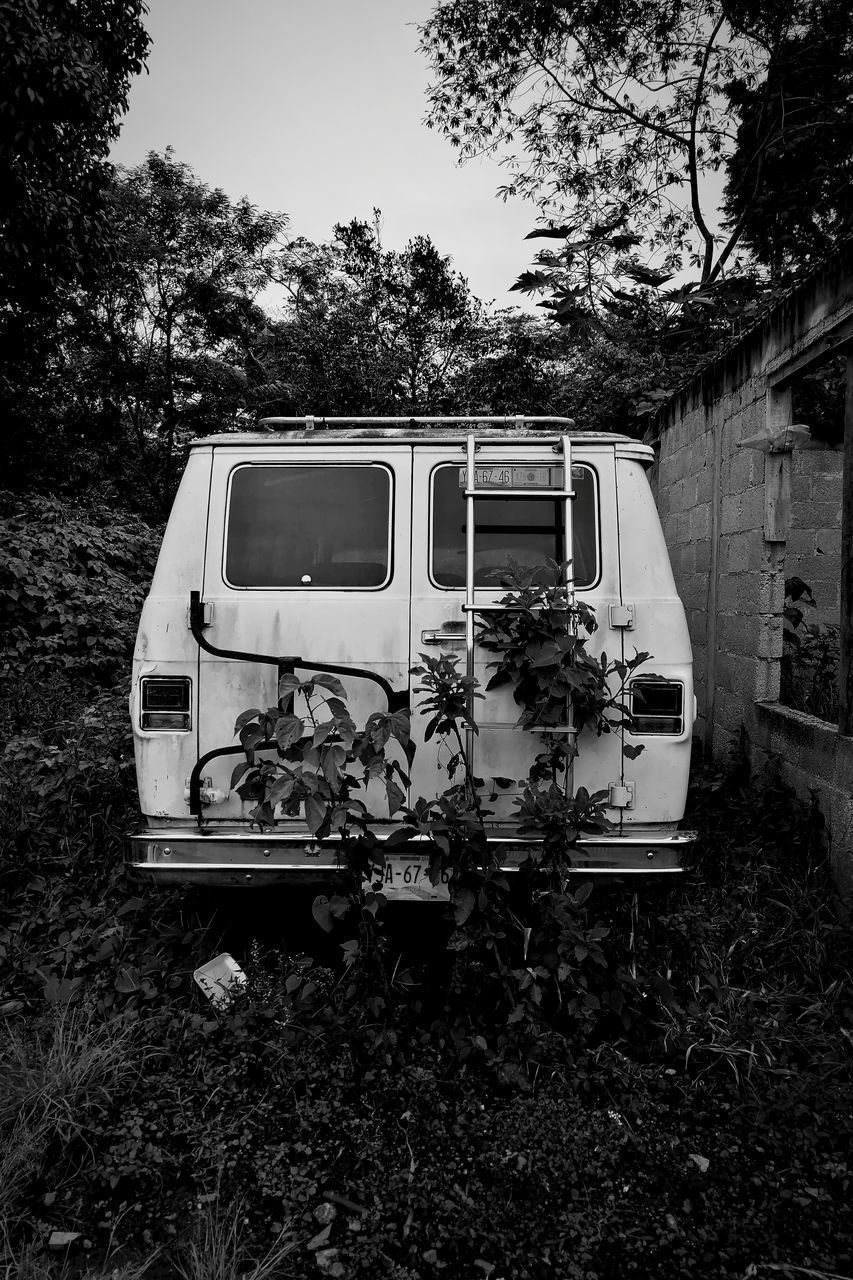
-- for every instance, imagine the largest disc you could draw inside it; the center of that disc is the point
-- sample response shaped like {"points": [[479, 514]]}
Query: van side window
{"points": [[528, 532], [304, 527]]}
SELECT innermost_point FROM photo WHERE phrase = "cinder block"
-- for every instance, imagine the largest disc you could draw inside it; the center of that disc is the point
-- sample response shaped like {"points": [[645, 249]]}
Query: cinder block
{"points": [[752, 509], [689, 491], [749, 592], [828, 464], [741, 471], [769, 637], [801, 513], [738, 552], [828, 543], [800, 542], [730, 714], [702, 548], [736, 633], [730, 513], [705, 484], [771, 592], [700, 521], [826, 515], [727, 592]]}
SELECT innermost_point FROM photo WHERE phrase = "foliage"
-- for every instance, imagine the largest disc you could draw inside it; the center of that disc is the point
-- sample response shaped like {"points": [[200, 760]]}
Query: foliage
{"points": [[541, 646], [515, 362], [374, 1107], [72, 581], [368, 1115], [65, 71], [616, 125], [789, 175], [810, 657], [165, 328], [315, 752], [367, 329]]}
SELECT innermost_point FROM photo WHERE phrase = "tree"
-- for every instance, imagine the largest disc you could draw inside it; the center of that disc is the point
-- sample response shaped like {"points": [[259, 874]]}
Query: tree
{"points": [[793, 197], [369, 329], [65, 70], [164, 333], [612, 118], [518, 365]]}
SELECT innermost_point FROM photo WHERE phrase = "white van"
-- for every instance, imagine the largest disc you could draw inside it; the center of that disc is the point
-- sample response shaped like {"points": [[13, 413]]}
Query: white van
{"points": [[354, 545]]}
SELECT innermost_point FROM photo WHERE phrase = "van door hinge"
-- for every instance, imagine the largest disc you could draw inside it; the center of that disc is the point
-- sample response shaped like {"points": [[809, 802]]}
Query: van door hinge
{"points": [[622, 615], [620, 795], [206, 611]]}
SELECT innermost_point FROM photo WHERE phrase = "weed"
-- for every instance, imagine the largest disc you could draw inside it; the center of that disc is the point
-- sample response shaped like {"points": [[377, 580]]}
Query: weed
{"points": [[220, 1248]]}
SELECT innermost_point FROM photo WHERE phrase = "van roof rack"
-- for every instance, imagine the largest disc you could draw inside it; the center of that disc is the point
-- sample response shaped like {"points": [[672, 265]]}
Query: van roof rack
{"points": [[519, 422]]}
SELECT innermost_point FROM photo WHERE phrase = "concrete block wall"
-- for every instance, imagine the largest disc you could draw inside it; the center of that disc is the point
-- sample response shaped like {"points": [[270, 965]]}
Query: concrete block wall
{"points": [[710, 495], [710, 488]]}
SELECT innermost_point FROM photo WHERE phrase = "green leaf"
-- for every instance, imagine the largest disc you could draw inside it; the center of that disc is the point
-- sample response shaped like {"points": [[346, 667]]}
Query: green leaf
{"points": [[396, 797], [238, 771], [463, 904], [321, 912], [315, 813], [399, 837], [246, 717], [288, 730], [282, 789], [251, 735], [330, 682]]}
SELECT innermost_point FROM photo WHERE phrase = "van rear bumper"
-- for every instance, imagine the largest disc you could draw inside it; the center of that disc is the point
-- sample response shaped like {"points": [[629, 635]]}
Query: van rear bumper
{"points": [[186, 855]]}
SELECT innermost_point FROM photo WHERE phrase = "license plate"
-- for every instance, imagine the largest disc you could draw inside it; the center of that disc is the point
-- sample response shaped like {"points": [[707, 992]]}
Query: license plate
{"points": [[513, 477], [406, 876]]}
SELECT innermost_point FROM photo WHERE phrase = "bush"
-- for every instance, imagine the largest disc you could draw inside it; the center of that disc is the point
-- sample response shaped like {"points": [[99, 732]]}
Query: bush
{"points": [[72, 582], [810, 657]]}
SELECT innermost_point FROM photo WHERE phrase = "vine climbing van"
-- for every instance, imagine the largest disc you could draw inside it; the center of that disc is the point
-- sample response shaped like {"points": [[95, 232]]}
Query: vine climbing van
{"points": [[345, 549]]}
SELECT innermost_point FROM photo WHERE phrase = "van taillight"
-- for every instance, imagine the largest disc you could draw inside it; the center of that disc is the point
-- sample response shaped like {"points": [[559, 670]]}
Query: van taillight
{"points": [[657, 706], [165, 702]]}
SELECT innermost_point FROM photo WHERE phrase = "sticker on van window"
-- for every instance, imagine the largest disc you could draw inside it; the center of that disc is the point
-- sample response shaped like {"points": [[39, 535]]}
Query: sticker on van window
{"points": [[527, 531], [309, 526]]}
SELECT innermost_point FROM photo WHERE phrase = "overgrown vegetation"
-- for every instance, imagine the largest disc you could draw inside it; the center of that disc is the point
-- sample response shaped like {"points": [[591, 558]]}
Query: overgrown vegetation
{"points": [[548, 1080], [372, 1110], [810, 657]]}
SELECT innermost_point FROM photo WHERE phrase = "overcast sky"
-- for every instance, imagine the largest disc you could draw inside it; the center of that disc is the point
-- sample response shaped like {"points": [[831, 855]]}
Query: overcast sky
{"points": [[316, 108]]}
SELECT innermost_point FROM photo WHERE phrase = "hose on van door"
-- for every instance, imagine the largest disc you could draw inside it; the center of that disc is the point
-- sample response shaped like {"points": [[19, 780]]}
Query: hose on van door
{"points": [[397, 699]]}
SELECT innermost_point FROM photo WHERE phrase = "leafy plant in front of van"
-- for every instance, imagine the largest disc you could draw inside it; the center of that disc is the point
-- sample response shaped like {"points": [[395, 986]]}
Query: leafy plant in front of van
{"points": [[539, 949], [540, 636], [321, 758]]}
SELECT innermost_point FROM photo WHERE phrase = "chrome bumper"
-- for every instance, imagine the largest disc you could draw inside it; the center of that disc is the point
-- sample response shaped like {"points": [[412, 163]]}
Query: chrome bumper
{"points": [[208, 856]]}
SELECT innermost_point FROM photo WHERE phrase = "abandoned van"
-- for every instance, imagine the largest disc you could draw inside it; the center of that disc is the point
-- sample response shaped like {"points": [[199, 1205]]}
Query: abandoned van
{"points": [[353, 546]]}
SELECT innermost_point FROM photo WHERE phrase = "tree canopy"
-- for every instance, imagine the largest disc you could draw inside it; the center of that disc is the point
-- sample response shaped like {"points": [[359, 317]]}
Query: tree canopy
{"points": [[165, 328], [790, 175], [615, 119], [367, 329], [65, 71]]}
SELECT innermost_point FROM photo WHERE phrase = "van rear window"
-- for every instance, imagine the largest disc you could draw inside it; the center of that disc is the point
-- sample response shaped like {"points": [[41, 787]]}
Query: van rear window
{"points": [[304, 526], [529, 532]]}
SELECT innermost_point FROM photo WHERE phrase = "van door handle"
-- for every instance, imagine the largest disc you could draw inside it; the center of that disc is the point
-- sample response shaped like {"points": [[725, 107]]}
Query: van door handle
{"points": [[442, 637]]}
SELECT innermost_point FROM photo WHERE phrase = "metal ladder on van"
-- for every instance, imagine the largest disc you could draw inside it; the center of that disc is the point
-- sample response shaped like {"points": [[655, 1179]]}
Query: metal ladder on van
{"points": [[471, 608]]}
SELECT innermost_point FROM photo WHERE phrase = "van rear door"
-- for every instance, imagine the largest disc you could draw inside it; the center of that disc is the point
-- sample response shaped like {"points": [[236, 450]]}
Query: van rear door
{"points": [[529, 532], [307, 557]]}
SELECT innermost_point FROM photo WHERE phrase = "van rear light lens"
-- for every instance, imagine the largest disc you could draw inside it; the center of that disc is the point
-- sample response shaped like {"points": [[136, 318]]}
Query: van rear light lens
{"points": [[657, 706], [165, 702]]}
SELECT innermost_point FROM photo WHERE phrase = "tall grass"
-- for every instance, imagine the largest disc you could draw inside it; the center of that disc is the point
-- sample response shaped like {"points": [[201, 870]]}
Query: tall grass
{"points": [[55, 1075], [217, 1248]]}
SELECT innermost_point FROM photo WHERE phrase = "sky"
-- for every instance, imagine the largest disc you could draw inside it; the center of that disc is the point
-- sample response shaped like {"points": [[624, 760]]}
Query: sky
{"points": [[316, 108]]}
